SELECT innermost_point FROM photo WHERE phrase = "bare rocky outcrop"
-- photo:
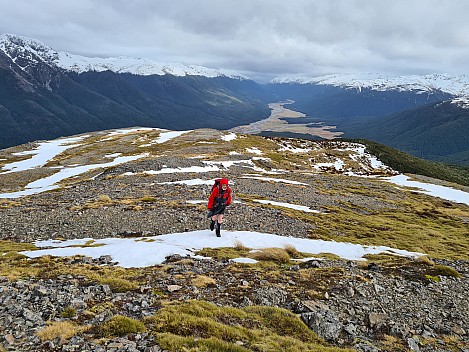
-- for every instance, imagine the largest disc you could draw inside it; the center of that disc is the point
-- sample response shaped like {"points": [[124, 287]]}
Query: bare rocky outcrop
{"points": [[358, 309]]}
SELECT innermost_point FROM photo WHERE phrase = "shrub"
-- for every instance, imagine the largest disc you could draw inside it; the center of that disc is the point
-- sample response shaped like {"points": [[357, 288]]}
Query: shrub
{"points": [[444, 270], [120, 325], [68, 312], [99, 308], [432, 278]]}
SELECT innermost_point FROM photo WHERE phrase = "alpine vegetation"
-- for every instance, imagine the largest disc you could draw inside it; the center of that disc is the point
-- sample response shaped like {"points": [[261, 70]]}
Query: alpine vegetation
{"points": [[106, 245]]}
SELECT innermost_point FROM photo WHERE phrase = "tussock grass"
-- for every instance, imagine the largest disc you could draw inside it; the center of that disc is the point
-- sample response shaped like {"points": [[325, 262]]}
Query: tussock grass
{"points": [[9, 246], [409, 227], [424, 259], [6, 203], [238, 245], [16, 266], [118, 285], [100, 308], [90, 243], [278, 255], [292, 251], [203, 281], [443, 270], [392, 344], [104, 198], [120, 325], [62, 329], [224, 253], [202, 326], [147, 199]]}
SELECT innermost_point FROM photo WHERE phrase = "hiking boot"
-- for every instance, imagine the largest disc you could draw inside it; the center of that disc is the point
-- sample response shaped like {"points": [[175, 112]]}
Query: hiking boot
{"points": [[212, 225], [217, 231]]}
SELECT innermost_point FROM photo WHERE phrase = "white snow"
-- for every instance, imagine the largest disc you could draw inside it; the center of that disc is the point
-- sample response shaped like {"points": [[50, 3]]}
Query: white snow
{"points": [[45, 152], [229, 137], [254, 150], [130, 130], [247, 163], [292, 149], [139, 252], [456, 85], [168, 135], [288, 205], [196, 201], [244, 260], [80, 64], [338, 165], [112, 155], [50, 182], [443, 192]]}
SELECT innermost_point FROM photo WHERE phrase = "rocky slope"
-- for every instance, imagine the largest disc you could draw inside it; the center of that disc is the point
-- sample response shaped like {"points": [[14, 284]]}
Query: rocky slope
{"points": [[386, 303]]}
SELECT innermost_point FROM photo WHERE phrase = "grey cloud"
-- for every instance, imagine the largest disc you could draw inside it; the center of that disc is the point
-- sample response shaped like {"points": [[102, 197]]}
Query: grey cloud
{"points": [[258, 36]]}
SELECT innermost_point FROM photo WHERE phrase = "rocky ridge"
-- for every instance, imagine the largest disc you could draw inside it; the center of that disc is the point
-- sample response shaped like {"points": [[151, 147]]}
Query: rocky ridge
{"points": [[384, 304]]}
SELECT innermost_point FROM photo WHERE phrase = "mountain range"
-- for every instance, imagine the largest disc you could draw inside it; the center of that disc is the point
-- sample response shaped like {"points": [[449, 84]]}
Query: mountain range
{"points": [[45, 94]]}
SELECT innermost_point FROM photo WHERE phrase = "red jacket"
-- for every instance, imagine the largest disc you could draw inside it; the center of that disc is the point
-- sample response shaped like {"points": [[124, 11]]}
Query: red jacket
{"points": [[223, 198]]}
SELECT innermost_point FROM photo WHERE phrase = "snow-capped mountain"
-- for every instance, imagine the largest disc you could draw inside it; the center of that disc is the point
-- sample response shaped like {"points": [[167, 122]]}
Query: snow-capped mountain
{"points": [[458, 86], [16, 46], [46, 94]]}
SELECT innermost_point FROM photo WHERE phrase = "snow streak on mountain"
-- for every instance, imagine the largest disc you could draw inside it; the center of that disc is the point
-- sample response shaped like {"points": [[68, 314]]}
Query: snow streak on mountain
{"points": [[139, 66], [454, 85]]}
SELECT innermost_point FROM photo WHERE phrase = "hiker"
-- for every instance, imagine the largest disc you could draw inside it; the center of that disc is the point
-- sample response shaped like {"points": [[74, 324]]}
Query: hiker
{"points": [[220, 198]]}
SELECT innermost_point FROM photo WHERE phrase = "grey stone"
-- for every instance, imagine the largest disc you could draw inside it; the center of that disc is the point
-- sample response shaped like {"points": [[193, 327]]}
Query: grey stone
{"points": [[324, 323], [412, 344]]}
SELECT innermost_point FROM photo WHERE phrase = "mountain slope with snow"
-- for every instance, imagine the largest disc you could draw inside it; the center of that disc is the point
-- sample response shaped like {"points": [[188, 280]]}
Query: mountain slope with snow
{"points": [[458, 86], [47, 94], [13, 46]]}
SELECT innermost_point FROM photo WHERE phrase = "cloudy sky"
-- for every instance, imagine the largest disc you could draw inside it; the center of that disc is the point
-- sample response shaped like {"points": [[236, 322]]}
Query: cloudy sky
{"points": [[261, 38]]}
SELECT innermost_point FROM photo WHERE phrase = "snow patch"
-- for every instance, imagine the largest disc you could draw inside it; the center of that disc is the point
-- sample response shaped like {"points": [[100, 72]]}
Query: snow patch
{"points": [[45, 152], [138, 252], [288, 205]]}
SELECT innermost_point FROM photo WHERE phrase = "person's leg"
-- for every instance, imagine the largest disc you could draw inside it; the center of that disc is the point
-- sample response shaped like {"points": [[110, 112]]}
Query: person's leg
{"points": [[218, 227], [212, 224]]}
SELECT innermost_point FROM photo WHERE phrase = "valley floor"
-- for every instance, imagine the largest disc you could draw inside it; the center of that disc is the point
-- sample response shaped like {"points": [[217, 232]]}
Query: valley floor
{"points": [[274, 123]]}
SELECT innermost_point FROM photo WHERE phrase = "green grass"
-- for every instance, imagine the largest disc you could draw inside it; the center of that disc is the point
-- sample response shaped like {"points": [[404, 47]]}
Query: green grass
{"points": [[407, 163], [120, 325], [118, 285], [426, 227], [202, 326]]}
